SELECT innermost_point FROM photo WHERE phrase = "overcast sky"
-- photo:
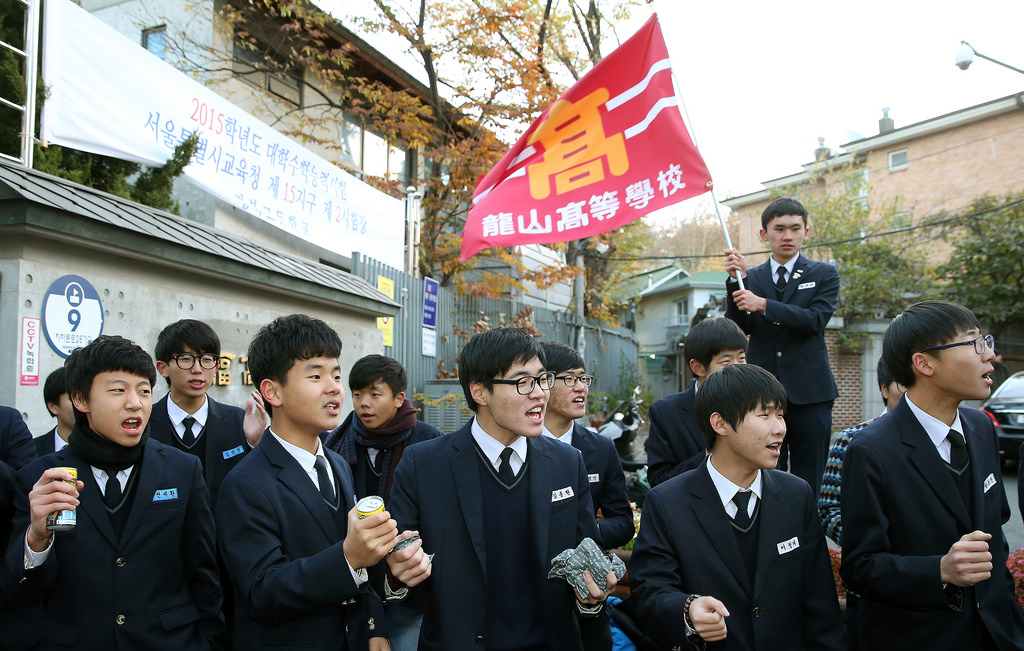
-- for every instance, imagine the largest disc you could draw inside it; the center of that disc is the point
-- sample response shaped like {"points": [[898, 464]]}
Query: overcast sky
{"points": [[763, 80]]}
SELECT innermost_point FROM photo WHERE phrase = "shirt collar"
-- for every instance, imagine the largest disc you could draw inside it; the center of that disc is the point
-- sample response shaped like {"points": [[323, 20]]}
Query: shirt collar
{"points": [[177, 414], [936, 430], [58, 443], [564, 438], [726, 489], [492, 448], [303, 457], [789, 268]]}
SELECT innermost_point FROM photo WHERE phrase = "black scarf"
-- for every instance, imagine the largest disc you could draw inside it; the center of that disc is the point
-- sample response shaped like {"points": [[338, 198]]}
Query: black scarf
{"points": [[390, 440], [103, 453]]}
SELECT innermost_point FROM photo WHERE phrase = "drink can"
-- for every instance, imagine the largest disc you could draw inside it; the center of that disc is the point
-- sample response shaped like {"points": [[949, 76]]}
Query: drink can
{"points": [[369, 505], [63, 520]]}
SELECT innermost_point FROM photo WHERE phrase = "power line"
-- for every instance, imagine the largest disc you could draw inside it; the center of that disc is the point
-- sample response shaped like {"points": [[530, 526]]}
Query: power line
{"points": [[929, 222]]}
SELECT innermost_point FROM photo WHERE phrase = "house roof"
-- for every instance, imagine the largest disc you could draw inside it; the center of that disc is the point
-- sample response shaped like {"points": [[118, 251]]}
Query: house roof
{"points": [[642, 282], [856, 149], [703, 279], [55, 208]]}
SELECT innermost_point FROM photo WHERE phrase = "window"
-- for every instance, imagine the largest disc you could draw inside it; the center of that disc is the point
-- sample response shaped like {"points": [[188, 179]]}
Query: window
{"points": [[268, 71], [681, 314], [154, 39], [898, 160]]}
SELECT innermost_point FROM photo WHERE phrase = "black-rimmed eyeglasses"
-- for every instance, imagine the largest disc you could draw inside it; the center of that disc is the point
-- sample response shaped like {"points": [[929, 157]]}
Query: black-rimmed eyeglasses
{"points": [[525, 384], [185, 361], [980, 343], [571, 380]]}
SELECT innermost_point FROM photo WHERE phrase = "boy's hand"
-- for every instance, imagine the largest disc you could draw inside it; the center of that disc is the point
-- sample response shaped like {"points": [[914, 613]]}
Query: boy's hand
{"points": [[708, 617], [379, 644], [51, 493], [597, 595], [255, 421], [735, 263], [968, 560], [410, 566], [748, 301], [370, 539]]}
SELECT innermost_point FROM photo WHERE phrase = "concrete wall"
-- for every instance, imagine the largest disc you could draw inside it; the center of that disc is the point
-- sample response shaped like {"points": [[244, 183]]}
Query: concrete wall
{"points": [[139, 299]]}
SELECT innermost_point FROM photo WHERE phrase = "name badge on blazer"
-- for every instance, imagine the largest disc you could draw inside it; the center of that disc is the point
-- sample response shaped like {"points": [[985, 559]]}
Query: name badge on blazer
{"points": [[990, 481], [233, 452], [807, 285], [165, 495], [787, 546], [562, 494], [594, 478]]}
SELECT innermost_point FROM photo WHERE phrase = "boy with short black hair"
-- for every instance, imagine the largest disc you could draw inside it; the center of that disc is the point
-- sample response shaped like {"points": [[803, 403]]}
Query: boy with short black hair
{"points": [[567, 402], [923, 499], [287, 526], [143, 546], [187, 418], [372, 439], [55, 395], [495, 502], [675, 442], [737, 531]]}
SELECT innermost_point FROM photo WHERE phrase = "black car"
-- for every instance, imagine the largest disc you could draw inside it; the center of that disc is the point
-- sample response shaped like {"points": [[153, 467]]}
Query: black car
{"points": [[1006, 409]]}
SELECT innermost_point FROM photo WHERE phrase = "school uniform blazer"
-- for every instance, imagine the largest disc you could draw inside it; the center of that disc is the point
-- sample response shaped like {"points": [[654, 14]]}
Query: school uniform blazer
{"points": [[437, 492], [225, 438], [282, 546], [687, 546], [607, 487], [901, 513], [16, 450], [788, 338], [155, 587], [46, 445], [675, 443]]}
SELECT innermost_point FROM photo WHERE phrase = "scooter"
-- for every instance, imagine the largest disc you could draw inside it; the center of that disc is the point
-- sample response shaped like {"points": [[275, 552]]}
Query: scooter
{"points": [[620, 426]]}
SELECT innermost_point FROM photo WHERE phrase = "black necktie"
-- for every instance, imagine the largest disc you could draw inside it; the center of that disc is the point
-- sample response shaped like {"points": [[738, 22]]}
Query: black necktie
{"points": [[780, 284], [505, 473], [742, 500], [112, 491], [189, 437], [958, 453], [322, 478]]}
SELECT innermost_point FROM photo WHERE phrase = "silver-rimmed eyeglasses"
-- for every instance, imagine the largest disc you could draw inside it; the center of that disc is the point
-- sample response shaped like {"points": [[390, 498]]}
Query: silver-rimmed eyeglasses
{"points": [[524, 385], [980, 343]]}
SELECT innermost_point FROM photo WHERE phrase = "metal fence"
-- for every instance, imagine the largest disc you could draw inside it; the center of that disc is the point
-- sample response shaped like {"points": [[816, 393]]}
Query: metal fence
{"points": [[611, 352]]}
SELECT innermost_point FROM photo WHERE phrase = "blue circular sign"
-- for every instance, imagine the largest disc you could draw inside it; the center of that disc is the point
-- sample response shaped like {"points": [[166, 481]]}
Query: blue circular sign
{"points": [[72, 314]]}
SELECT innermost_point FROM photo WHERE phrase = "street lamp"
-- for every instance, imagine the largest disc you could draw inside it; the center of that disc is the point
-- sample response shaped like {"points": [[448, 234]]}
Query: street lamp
{"points": [[965, 57]]}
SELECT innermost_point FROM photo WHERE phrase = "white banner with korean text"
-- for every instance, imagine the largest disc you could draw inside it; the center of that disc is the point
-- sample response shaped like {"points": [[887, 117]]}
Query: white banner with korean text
{"points": [[108, 95]]}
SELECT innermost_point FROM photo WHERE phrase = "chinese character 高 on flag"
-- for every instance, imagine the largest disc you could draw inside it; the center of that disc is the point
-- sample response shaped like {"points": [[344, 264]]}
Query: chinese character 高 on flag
{"points": [[610, 150]]}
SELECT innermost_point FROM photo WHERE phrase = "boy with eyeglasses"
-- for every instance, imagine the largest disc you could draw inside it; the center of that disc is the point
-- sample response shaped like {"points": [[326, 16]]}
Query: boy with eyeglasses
{"points": [[495, 502], [187, 418], [567, 402], [923, 502]]}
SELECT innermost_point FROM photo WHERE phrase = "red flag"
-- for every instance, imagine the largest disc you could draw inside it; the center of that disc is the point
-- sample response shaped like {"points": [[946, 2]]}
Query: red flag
{"points": [[612, 149]]}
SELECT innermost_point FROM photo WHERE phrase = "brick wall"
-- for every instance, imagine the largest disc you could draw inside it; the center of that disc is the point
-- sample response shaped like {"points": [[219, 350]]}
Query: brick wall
{"points": [[846, 367]]}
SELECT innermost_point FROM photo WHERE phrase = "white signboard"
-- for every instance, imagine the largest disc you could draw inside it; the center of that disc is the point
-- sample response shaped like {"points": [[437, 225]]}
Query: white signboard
{"points": [[72, 314], [30, 332], [108, 95]]}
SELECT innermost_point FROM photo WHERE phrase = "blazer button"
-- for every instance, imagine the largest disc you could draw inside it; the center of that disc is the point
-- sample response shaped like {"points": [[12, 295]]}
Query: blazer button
{"points": [[979, 606], [120, 562], [778, 354], [120, 620], [757, 612], [479, 639], [372, 624]]}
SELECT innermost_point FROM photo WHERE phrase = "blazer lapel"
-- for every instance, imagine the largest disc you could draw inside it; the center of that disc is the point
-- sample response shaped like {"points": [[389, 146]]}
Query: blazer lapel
{"points": [[539, 488], [687, 405], [926, 459], [90, 499], [974, 447], [149, 479], [466, 472], [295, 478], [713, 519], [773, 518], [799, 269]]}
